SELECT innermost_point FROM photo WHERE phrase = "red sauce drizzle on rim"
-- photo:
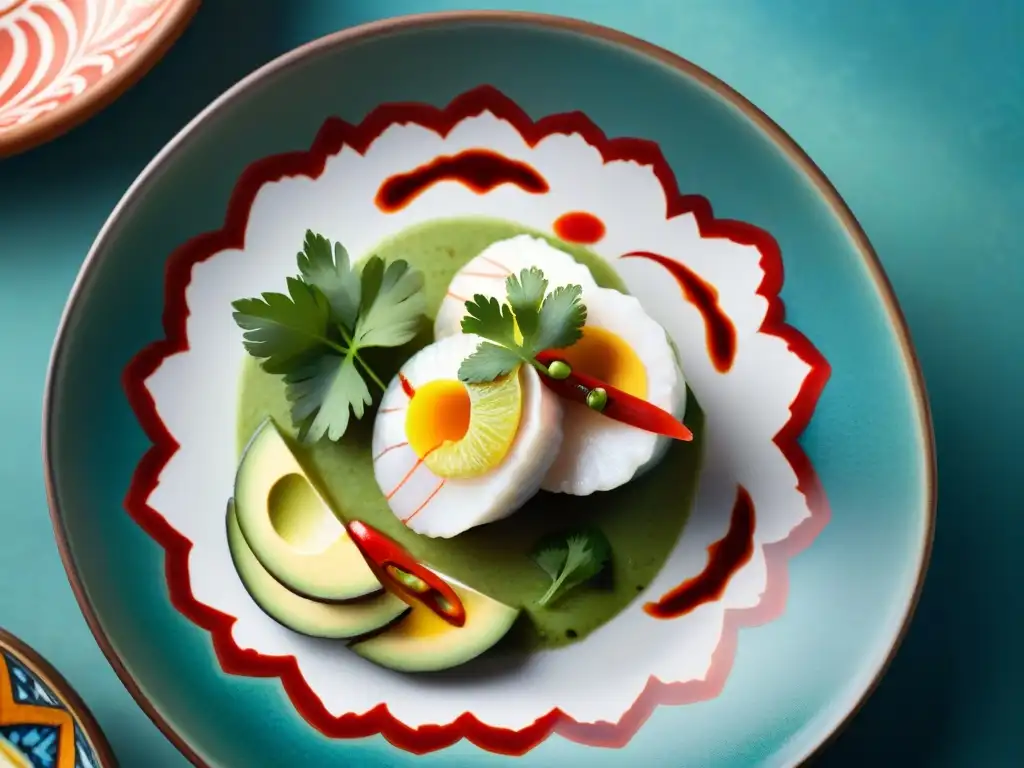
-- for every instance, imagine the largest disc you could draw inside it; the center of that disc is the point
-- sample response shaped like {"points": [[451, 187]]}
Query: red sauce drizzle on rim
{"points": [[309, 164], [394, 566], [721, 333], [579, 227], [407, 387], [725, 557], [479, 169]]}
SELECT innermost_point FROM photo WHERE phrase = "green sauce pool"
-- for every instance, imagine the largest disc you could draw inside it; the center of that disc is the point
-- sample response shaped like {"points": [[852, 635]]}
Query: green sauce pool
{"points": [[642, 519]]}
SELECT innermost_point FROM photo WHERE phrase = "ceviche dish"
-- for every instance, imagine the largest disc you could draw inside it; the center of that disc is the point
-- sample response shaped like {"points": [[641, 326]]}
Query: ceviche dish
{"points": [[457, 443]]}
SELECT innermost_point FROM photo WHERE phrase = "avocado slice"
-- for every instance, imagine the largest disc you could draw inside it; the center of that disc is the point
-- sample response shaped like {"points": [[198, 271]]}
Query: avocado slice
{"points": [[424, 642], [341, 621], [290, 528]]}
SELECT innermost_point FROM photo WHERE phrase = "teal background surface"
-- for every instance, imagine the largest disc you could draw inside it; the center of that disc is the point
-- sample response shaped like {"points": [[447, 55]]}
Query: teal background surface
{"points": [[914, 114]]}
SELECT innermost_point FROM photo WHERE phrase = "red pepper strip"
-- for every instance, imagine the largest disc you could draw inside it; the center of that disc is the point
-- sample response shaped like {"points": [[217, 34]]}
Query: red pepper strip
{"points": [[384, 554], [621, 406]]}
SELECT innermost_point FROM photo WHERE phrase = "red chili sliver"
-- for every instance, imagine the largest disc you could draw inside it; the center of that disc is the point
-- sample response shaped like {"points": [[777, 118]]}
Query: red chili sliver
{"points": [[621, 406], [392, 563]]}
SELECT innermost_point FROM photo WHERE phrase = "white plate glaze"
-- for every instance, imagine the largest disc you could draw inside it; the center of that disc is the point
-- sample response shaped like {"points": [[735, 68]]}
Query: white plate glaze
{"points": [[755, 405]]}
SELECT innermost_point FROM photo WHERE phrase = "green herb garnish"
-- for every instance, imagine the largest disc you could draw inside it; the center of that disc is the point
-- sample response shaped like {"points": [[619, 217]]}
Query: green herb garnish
{"points": [[571, 559], [313, 335], [545, 320]]}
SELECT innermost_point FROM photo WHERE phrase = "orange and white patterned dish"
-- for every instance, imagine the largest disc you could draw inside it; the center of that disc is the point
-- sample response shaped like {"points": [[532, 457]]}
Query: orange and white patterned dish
{"points": [[43, 722], [63, 60]]}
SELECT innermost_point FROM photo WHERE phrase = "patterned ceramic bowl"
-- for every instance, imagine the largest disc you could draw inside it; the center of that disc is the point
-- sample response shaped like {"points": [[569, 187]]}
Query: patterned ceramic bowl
{"points": [[804, 503], [63, 60], [43, 722]]}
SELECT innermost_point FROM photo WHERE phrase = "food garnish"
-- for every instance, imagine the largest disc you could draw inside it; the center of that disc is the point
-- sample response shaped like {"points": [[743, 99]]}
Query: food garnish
{"points": [[528, 328], [314, 334], [610, 401], [407, 577], [539, 319], [571, 559]]}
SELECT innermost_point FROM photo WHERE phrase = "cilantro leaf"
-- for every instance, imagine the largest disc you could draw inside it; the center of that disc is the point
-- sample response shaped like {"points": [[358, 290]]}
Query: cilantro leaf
{"points": [[562, 317], [332, 274], [283, 330], [393, 304], [325, 394], [570, 559], [500, 354], [312, 336], [371, 278], [551, 560], [488, 318], [487, 363], [543, 322], [525, 295]]}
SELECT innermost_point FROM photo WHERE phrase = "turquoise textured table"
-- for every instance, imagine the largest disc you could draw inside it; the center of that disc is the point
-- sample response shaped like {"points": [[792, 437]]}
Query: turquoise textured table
{"points": [[914, 110]]}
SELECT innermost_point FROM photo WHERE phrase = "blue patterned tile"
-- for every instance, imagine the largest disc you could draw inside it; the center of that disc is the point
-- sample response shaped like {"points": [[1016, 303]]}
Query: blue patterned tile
{"points": [[27, 688], [85, 757], [38, 743]]}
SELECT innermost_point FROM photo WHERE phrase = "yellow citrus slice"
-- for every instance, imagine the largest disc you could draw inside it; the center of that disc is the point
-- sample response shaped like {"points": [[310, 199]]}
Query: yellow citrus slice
{"points": [[464, 430]]}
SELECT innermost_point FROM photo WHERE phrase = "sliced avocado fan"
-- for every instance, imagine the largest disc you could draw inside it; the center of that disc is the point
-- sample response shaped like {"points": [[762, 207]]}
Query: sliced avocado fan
{"points": [[307, 617], [424, 642], [291, 530]]}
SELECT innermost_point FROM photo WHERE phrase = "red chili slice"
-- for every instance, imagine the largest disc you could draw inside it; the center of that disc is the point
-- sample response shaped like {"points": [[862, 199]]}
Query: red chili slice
{"points": [[620, 406], [391, 563]]}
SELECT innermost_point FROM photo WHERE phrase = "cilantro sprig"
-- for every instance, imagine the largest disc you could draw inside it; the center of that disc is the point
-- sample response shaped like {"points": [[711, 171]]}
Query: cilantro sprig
{"points": [[545, 321], [571, 559], [314, 334]]}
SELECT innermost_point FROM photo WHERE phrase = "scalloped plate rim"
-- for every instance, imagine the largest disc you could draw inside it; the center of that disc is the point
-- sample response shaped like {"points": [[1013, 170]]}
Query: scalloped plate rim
{"points": [[416, 22], [333, 137]]}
